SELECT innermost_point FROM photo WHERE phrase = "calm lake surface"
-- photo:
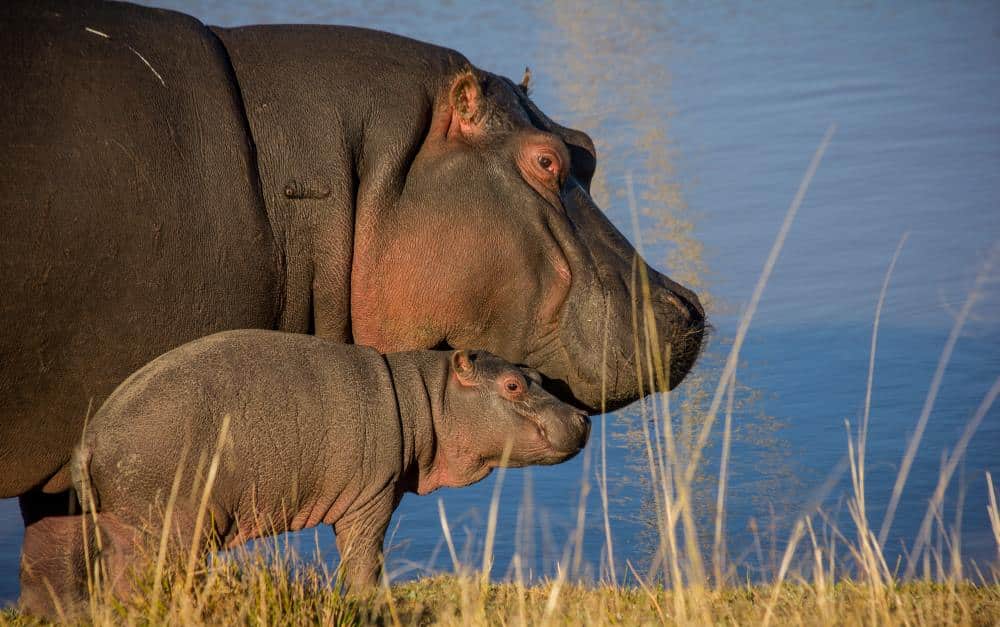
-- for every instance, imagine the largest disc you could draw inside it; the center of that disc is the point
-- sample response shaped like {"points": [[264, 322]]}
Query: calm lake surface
{"points": [[714, 112]]}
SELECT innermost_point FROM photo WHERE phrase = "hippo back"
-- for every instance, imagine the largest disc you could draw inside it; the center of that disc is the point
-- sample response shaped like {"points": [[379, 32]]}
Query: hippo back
{"points": [[312, 425]]}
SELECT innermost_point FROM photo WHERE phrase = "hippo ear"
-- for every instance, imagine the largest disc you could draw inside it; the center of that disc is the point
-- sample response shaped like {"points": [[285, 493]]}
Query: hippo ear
{"points": [[525, 83], [462, 364], [466, 98]]}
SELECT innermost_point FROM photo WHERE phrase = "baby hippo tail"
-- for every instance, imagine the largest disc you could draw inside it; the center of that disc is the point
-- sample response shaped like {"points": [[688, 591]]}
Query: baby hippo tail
{"points": [[79, 468]]}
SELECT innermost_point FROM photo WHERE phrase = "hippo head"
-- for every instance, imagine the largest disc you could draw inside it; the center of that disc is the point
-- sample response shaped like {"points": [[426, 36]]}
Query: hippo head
{"points": [[505, 250], [490, 404]]}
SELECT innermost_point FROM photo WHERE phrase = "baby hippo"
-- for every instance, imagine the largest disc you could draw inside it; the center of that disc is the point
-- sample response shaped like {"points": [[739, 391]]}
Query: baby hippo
{"points": [[318, 432]]}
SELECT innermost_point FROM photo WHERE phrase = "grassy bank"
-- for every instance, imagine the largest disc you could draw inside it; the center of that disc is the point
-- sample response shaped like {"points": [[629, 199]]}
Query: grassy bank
{"points": [[264, 595], [444, 601]]}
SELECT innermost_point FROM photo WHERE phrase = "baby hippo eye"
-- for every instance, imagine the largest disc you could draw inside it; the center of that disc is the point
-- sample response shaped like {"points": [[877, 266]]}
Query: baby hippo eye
{"points": [[512, 385]]}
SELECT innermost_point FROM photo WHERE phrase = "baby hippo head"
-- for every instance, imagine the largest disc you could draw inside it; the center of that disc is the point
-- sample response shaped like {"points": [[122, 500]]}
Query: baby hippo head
{"points": [[491, 404]]}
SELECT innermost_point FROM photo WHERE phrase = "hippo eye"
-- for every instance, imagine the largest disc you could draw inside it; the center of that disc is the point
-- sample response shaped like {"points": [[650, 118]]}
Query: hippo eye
{"points": [[548, 162]]}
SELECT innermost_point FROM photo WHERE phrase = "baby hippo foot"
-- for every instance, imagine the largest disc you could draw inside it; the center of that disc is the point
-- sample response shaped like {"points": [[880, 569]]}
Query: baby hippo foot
{"points": [[53, 569]]}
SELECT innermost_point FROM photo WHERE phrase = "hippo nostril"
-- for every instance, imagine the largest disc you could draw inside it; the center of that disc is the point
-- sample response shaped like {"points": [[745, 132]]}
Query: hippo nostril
{"points": [[696, 308], [678, 304], [684, 303], [691, 302]]}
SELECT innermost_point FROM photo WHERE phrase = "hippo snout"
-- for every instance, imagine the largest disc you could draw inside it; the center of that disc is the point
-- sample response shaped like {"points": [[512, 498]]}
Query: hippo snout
{"points": [[566, 430]]}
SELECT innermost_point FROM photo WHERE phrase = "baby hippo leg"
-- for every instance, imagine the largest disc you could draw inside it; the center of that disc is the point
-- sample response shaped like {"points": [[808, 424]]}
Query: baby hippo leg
{"points": [[360, 535], [121, 552], [53, 568]]}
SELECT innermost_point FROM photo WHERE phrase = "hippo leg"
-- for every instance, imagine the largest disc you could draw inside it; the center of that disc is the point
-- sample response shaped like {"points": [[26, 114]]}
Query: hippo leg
{"points": [[360, 535], [53, 566]]}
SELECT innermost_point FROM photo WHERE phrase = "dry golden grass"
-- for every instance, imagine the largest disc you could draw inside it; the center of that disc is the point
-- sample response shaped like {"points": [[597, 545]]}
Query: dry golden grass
{"points": [[262, 593], [442, 601]]}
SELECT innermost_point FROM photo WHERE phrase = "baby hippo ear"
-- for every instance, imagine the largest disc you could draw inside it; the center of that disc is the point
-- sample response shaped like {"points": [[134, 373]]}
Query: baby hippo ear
{"points": [[532, 374], [465, 369]]}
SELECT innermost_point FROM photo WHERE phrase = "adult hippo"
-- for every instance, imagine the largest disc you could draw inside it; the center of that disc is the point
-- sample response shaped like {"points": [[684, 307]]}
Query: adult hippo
{"points": [[164, 180]]}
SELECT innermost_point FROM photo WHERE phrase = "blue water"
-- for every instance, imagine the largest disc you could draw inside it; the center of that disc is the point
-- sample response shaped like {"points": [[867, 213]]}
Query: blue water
{"points": [[715, 111]]}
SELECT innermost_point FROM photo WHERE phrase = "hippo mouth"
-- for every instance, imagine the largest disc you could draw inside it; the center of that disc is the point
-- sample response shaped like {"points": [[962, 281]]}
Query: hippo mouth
{"points": [[620, 386]]}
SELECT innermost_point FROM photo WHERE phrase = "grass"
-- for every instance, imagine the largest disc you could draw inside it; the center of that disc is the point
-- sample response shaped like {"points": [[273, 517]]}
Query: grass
{"points": [[440, 600], [263, 592], [823, 575]]}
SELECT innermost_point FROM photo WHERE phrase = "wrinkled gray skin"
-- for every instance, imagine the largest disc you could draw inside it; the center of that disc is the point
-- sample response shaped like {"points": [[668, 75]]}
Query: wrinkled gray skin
{"points": [[319, 433], [164, 181]]}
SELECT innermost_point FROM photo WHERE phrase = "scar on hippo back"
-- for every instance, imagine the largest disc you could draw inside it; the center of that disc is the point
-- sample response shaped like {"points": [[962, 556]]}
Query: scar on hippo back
{"points": [[296, 190]]}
